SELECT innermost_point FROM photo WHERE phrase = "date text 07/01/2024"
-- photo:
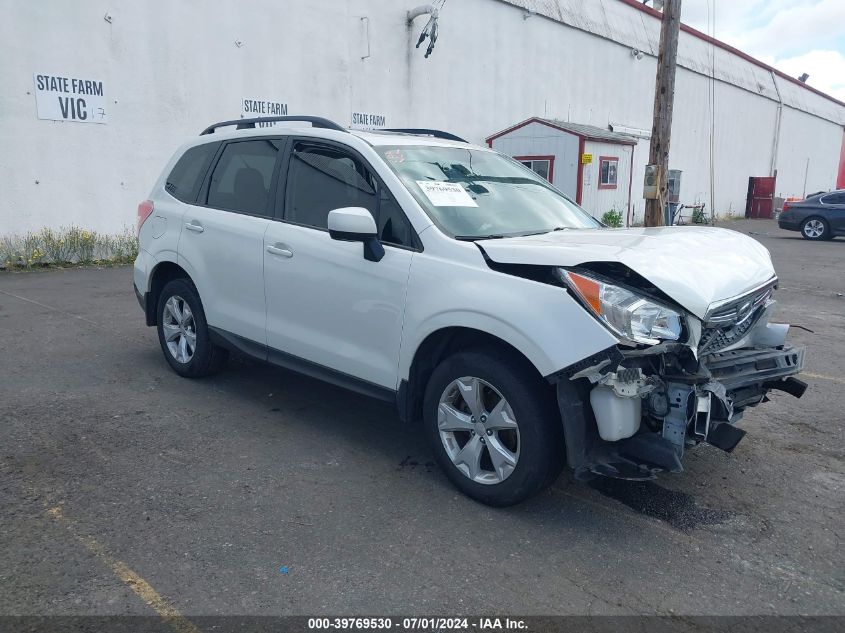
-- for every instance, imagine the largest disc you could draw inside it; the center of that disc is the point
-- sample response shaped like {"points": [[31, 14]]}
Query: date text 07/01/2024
{"points": [[418, 623]]}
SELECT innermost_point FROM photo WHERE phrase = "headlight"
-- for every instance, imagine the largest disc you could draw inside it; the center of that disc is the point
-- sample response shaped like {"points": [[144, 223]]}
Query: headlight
{"points": [[627, 314]]}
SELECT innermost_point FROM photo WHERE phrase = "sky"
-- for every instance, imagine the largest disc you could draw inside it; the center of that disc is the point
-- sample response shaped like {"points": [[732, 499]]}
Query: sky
{"points": [[794, 36]]}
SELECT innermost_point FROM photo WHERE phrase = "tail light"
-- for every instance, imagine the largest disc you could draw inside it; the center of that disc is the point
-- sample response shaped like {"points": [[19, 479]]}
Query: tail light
{"points": [[145, 209], [786, 205]]}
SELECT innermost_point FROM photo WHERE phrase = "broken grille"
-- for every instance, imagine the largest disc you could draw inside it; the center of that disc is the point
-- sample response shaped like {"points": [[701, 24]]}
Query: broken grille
{"points": [[728, 321]]}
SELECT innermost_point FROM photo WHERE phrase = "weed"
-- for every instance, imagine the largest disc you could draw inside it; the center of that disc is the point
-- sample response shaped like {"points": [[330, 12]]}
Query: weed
{"points": [[66, 246], [612, 218]]}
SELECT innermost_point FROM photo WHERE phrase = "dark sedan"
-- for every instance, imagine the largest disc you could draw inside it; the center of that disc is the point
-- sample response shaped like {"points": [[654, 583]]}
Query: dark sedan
{"points": [[818, 217]]}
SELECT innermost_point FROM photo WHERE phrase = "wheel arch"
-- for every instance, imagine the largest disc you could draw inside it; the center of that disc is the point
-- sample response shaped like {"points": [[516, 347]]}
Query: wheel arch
{"points": [[162, 273], [814, 215], [440, 344]]}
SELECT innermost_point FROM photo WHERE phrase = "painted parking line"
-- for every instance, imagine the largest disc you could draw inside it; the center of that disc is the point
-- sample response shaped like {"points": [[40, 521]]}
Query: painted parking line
{"points": [[71, 315], [51, 308], [130, 578], [840, 381]]}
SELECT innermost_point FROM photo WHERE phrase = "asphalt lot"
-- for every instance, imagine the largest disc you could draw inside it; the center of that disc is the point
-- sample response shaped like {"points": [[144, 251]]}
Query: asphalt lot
{"points": [[124, 487]]}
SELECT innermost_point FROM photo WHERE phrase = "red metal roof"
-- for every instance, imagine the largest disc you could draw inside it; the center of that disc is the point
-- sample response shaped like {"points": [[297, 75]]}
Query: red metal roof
{"points": [[581, 130]]}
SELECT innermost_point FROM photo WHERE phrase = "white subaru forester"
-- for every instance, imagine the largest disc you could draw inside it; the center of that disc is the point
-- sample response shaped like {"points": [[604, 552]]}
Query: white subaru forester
{"points": [[458, 284]]}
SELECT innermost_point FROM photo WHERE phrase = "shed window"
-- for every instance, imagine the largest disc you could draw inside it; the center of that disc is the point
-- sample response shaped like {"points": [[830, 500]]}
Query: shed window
{"points": [[542, 165], [607, 171]]}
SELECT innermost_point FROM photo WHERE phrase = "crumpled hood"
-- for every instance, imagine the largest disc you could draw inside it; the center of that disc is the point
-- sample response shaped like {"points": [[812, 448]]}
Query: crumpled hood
{"points": [[694, 265]]}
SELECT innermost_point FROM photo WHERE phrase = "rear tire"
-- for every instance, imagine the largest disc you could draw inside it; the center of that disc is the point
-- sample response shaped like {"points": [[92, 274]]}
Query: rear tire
{"points": [[517, 449], [815, 228], [183, 332]]}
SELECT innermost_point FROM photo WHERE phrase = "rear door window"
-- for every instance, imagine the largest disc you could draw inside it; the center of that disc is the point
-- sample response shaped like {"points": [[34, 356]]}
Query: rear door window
{"points": [[242, 177], [185, 179]]}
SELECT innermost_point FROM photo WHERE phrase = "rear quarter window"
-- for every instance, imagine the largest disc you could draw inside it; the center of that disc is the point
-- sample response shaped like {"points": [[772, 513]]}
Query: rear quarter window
{"points": [[242, 178], [833, 198], [185, 179]]}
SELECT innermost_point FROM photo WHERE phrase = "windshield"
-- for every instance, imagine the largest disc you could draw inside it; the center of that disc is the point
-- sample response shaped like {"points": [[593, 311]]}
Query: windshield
{"points": [[474, 194]]}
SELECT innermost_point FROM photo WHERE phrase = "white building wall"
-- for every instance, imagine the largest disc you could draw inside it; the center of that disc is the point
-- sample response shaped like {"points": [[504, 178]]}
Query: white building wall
{"points": [[742, 143], [806, 145], [170, 67]]}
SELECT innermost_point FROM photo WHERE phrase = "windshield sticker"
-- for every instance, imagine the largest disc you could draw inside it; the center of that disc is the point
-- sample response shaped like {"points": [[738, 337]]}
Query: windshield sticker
{"points": [[395, 156], [446, 194]]}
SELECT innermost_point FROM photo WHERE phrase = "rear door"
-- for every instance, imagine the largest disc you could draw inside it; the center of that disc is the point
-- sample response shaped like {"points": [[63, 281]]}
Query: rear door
{"points": [[326, 304], [221, 244]]}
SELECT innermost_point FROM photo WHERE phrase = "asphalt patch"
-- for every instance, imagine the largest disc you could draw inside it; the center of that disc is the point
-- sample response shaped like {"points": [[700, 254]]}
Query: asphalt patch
{"points": [[678, 509], [410, 462]]}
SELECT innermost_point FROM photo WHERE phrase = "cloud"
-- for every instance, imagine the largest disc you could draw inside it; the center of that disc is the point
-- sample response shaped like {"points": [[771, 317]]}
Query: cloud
{"points": [[792, 30], [826, 70], [795, 36], [772, 27]]}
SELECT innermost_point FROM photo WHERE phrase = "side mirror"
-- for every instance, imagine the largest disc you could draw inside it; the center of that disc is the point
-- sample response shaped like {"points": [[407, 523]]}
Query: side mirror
{"points": [[356, 224]]}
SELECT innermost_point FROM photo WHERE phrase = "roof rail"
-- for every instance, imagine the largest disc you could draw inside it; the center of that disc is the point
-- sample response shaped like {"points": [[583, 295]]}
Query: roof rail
{"points": [[421, 131], [242, 124]]}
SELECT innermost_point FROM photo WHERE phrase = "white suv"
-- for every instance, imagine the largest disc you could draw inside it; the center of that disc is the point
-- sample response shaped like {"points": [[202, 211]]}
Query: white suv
{"points": [[458, 284]]}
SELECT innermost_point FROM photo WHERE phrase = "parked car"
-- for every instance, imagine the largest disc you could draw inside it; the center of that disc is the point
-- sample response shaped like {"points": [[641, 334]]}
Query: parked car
{"points": [[820, 216], [458, 284]]}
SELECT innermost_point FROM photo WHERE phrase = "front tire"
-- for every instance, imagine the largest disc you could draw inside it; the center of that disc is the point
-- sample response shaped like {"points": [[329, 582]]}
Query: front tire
{"points": [[815, 228], [183, 332], [493, 426]]}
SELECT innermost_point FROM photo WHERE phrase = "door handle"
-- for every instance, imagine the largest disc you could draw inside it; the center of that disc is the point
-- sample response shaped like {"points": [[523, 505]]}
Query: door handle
{"points": [[194, 226], [280, 249]]}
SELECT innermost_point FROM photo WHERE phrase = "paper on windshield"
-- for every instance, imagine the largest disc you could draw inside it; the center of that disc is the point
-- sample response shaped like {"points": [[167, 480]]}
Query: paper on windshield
{"points": [[446, 194]]}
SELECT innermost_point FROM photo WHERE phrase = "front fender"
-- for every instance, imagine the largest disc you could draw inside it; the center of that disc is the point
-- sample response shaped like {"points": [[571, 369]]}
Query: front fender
{"points": [[542, 321]]}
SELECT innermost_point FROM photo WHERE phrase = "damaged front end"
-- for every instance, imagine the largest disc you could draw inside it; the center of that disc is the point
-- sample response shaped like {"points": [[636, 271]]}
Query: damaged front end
{"points": [[648, 404]]}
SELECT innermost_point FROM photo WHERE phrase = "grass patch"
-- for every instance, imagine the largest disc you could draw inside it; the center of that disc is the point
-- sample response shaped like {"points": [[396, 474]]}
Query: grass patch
{"points": [[68, 246]]}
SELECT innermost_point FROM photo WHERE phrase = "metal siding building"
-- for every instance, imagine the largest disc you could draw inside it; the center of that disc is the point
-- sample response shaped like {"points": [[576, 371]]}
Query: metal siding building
{"points": [[169, 68], [593, 166]]}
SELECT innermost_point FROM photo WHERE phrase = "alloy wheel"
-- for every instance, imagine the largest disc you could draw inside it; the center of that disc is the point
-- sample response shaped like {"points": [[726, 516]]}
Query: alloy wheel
{"points": [[180, 332], [814, 228], [479, 430]]}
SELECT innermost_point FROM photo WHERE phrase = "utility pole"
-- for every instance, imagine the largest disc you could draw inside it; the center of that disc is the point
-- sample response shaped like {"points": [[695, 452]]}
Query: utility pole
{"points": [[664, 97]]}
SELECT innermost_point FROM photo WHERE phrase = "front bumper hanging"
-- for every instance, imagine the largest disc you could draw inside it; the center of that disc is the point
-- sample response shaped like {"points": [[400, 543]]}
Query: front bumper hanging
{"points": [[678, 410]]}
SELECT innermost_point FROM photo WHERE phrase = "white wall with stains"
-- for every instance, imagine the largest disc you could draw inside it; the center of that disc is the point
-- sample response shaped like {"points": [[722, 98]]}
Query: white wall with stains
{"points": [[171, 67]]}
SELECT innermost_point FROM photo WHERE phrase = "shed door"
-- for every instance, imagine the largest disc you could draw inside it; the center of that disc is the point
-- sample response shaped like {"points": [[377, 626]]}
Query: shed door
{"points": [[760, 200]]}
